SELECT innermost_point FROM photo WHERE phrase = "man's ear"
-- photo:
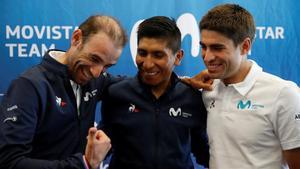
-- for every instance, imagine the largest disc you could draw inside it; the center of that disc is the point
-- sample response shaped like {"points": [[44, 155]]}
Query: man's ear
{"points": [[246, 46], [76, 38], [178, 57]]}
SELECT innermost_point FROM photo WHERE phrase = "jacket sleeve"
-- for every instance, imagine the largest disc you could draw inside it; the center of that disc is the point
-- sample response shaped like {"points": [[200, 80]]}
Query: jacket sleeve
{"points": [[105, 122], [18, 121], [200, 147], [199, 140]]}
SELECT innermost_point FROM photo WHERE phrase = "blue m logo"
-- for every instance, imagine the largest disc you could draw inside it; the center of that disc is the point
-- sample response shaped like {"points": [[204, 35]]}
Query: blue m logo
{"points": [[242, 105]]}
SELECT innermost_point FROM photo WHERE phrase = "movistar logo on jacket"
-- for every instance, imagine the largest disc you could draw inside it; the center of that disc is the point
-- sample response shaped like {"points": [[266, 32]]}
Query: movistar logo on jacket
{"points": [[247, 104], [175, 113], [244, 105], [178, 113]]}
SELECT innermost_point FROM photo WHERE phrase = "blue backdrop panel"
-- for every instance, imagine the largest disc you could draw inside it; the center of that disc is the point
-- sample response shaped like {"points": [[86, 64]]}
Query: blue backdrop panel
{"points": [[29, 27]]}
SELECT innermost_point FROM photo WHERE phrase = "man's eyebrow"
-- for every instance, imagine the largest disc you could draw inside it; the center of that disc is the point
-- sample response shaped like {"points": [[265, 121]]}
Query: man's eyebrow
{"points": [[110, 65], [212, 45], [141, 49], [96, 57]]}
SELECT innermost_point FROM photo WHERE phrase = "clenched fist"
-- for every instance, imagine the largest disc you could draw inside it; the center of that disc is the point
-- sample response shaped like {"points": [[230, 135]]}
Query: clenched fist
{"points": [[98, 145]]}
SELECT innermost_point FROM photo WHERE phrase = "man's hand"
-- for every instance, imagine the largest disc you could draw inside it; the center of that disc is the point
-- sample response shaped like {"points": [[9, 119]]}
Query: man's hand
{"points": [[97, 147], [200, 81]]}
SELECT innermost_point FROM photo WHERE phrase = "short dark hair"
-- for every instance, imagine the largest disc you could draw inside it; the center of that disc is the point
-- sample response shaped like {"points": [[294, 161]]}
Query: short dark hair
{"points": [[106, 24], [231, 20], [161, 27]]}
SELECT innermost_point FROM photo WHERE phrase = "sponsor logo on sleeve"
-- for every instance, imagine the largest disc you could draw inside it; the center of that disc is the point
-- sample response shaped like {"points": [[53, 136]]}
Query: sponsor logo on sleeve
{"points": [[297, 116], [12, 108], [13, 118]]}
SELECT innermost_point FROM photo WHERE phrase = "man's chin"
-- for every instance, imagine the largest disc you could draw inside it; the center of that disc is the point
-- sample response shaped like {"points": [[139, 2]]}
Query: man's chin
{"points": [[81, 82], [149, 82], [214, 75]]}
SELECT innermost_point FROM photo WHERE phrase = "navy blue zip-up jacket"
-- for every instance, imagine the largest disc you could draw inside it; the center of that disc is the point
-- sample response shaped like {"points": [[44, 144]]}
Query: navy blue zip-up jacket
{"points": [[150, 133], [39, 123]]}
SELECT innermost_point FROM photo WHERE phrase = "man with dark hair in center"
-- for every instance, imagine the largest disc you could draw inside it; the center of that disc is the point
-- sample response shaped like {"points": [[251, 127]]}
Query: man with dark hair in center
{"points": [[155, 120]]}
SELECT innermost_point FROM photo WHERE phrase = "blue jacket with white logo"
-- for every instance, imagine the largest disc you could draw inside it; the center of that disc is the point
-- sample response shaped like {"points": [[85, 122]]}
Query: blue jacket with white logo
{"points": [[39, 123], [150, 133]]}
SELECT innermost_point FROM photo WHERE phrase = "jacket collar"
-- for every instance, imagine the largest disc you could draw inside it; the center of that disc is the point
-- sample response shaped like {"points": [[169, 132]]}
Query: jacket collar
{"points": [[54, 66]]}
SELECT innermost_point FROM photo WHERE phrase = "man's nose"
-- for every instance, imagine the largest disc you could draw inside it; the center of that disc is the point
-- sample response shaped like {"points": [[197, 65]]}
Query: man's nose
{"points": [[208, 55], [97, 70], [148, 62]]}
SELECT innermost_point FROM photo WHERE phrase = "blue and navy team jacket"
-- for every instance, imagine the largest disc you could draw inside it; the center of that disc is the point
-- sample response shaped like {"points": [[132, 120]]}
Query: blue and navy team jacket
{"points": [[150, 133], [40, 126]]}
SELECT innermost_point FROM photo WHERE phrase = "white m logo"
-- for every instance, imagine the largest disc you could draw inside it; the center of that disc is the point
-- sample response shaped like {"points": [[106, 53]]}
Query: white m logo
{"points": [[174, 113]]}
